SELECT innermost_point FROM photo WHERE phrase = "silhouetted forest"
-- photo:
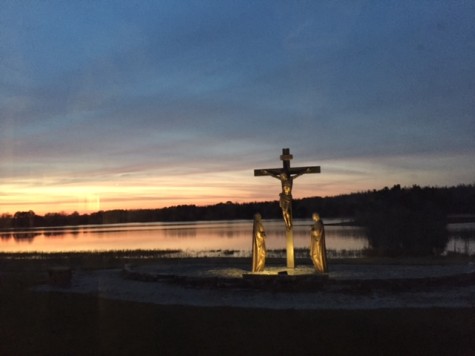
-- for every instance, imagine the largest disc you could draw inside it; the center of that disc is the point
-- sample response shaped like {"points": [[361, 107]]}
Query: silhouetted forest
{"points": [[398, 221], [362, 207]]}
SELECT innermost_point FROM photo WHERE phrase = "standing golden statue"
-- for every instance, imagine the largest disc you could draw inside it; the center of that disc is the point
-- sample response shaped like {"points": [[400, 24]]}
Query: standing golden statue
{"points": [[318, 252], [258, 245]]}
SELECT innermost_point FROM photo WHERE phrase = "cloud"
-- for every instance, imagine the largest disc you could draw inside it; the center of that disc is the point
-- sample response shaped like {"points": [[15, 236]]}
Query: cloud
{"points": [[92, 93]]}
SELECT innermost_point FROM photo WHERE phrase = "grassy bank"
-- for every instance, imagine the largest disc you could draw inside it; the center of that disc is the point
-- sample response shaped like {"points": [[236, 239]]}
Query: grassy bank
{"points": [[66, 324]]}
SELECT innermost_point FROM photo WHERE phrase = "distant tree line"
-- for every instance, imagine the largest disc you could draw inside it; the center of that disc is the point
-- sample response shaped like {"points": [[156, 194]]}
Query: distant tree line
{"points": [[362, 207], [398, 221]]}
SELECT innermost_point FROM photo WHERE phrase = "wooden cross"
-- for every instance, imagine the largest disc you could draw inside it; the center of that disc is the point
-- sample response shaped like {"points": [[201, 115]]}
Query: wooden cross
{"points": [[286, 175]]}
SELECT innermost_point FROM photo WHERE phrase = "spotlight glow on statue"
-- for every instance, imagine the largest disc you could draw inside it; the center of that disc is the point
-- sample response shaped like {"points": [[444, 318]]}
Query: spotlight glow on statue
{"points": [[258, 245], [286, 175], [318, 252]]}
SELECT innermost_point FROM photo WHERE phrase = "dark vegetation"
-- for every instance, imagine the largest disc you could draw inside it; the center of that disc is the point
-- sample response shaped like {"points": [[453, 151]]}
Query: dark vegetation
{"points": [[398, 220], [402, 221]]}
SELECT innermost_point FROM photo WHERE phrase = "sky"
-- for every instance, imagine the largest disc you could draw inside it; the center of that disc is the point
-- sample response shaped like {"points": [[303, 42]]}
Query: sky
{"points": [[146, 104]]}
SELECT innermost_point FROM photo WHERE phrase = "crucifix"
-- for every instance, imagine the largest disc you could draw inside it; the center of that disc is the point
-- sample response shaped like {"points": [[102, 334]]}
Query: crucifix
{"points": [[286, 175]]}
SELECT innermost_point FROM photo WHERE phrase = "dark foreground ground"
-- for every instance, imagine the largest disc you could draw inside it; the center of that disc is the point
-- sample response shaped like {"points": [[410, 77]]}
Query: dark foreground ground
{"points": [[33, 323]]}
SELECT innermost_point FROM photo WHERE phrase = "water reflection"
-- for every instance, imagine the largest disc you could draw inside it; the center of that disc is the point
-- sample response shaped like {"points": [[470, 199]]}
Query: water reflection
{"points": [[19, 236], [4, 236], [57, 234], [462, 238], [180, 233], [232, 238]]}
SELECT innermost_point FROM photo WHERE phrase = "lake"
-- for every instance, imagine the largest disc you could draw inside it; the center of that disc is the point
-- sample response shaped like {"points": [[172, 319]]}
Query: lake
{"points": [[203, 238]]}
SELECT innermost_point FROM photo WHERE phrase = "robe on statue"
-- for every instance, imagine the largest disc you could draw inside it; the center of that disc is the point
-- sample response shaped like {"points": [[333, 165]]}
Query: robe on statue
{"points": [[258, 245], [318, 252]]}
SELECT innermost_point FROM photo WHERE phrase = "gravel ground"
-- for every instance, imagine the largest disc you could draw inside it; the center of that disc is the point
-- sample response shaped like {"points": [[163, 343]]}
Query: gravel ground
{"points": [[111, 284]]}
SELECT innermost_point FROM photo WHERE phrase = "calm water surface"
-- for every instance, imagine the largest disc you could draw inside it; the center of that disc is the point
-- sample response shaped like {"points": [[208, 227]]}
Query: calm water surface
{"points": [[199, 238]]}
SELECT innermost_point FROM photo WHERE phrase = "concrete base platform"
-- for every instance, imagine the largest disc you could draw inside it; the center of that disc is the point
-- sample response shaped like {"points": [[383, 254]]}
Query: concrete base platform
{"points": [[209, 282], [361, 277]]}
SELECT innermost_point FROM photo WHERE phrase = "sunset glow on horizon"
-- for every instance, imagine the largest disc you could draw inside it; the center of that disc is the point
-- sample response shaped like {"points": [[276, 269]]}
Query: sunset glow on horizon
{"points": [[213, 188]]}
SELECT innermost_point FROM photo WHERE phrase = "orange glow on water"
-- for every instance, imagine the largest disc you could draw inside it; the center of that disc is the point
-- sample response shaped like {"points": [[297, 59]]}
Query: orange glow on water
{"points": [[229, 235]]}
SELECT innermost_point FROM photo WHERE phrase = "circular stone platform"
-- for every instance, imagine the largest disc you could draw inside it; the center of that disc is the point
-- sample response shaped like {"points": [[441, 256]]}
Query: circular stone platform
{"points": [[210, 282], [203, 273]]}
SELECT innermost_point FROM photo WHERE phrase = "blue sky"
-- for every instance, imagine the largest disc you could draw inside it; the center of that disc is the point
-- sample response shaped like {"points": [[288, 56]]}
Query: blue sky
{"points": [[129, 104]]}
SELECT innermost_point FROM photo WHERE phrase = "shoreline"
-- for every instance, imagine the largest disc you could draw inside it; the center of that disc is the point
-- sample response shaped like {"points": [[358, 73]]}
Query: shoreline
{"points": [[345, 221]]}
